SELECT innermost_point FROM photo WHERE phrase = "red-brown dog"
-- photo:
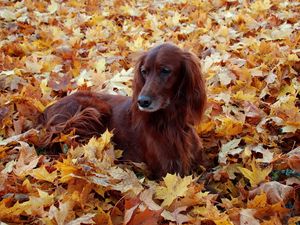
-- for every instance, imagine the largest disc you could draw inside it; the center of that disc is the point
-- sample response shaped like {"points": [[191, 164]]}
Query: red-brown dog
{"points": [[155, 126]]}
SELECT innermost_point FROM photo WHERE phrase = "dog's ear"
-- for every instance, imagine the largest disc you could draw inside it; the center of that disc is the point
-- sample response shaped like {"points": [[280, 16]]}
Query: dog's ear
{"points": [[138, 80], [194, 88]]}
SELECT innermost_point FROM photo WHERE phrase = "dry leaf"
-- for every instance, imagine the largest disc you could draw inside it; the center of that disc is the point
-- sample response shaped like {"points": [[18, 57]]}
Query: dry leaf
{"points": [[275, 192], [174, 187], [257, 174]]}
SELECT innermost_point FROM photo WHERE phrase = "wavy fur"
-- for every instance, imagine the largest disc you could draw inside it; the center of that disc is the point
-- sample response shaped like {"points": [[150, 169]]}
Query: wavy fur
{"points": [[158, 132]]}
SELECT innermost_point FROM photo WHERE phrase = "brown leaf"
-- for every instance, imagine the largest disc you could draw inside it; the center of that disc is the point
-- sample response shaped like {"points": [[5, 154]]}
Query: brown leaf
{"points": [[294, 162], [27, 160], [275, 191], [146, 217], [130, 207]]}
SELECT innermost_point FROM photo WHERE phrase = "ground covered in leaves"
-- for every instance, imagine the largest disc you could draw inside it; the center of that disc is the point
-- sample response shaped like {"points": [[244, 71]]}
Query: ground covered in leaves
{"points": [[250, 55]]}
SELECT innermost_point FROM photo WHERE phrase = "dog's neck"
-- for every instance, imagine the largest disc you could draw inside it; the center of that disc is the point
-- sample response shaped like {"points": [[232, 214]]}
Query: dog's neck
{"points": [[161, 119]]}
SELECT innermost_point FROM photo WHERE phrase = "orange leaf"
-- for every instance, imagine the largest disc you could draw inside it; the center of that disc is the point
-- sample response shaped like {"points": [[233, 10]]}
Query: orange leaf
{"points": [[147, 217]]}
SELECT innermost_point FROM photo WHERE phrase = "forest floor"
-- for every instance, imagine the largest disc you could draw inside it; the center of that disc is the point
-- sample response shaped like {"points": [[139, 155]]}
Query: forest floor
{"points": [[250, 57]]}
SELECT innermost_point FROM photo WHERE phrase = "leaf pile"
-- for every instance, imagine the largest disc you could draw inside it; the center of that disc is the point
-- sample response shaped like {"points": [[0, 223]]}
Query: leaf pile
{"points": [[250, 55]]}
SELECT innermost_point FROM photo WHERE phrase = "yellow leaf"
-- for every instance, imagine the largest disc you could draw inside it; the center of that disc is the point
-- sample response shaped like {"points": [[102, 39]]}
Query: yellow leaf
{"points": [[95, 148], [66, 169], [65, 138], [293, 57], [257, 175], [229, 127], [173, 20], [211, 212], [53, 7], [129, 10], [44, 88], [42, 173], [223, 31], [240, 95], [260, 5], [294, 220], [260, 201], [205, 127], [11, 212], [38, 104], [100, 65], [137, 44], [224, 221], [37, 203], [175, 187]]}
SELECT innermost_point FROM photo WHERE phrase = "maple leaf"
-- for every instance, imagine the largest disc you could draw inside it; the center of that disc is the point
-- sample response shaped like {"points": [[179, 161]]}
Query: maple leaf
{"points": [[257, 175], [294, 220], [130, 206], [146, 217], [27, 160], [33, 65], [62, 213], [7, 15], [147, 197], [102, 218], [66, 169], [247, 215], [294, 159], [229, 127], [175, 187], [266, 153], [259, 201], [275, 192], [12, 212], [128, 181], [53, 7], [42, 173], [177, 216], [37, 204], [249, 51], [212, 213], [84, 219], [97, 148], [100, 65], [226, 148]]}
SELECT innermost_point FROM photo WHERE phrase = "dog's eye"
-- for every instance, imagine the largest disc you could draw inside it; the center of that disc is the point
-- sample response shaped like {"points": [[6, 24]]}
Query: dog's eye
{"points": [[143, 72], [165, 71]]}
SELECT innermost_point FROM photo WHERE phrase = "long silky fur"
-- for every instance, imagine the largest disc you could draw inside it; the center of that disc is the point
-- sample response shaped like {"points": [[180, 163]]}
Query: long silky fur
{"points": [[86, 123]]}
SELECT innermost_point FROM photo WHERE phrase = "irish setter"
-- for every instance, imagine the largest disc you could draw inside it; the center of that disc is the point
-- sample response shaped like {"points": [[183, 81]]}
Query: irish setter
{"points": [[155, 126]]}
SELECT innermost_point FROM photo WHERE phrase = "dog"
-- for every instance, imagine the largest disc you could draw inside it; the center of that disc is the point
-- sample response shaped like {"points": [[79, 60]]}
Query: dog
{"points": [[155, 125]]}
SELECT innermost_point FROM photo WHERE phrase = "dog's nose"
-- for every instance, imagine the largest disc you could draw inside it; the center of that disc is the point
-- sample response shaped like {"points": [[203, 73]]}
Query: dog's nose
{"points": [[144, 101]]}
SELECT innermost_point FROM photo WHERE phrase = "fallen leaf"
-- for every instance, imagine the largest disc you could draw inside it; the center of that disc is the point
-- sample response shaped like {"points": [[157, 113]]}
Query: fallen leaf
{"points": [[174, 187], [275, 191], [146, 217], [226, 148], [62, 213], [27, 160], [257, 174], [247, 217], [42, 173], [84, 219]]}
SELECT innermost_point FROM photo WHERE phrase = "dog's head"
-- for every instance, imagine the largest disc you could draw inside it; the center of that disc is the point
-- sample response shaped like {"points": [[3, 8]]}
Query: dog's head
{"points": [[167, 76]]}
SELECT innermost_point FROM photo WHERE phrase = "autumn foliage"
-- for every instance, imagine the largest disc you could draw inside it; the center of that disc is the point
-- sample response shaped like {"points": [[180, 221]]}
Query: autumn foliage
{"points": [[250, 55]]}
